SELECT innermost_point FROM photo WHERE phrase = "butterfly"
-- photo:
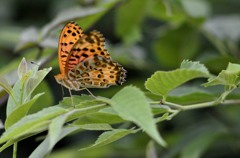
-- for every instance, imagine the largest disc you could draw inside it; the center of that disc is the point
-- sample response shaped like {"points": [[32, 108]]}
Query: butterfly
{"points": [[84, 62]]}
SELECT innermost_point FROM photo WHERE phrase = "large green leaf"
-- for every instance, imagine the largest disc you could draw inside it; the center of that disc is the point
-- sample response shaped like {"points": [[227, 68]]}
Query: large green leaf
{"points": [[131, 104], [43, 149], [30, 123], [57, 123], [162, 82], [55, 128], [99, 117]]}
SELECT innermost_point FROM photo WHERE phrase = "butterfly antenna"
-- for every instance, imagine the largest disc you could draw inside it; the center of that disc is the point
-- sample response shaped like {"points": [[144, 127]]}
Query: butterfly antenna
{"points": [[71, 96]]}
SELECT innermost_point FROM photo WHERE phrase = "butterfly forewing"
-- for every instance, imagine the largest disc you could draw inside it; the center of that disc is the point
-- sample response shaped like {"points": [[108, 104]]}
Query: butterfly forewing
{"points": [[70, 34]]}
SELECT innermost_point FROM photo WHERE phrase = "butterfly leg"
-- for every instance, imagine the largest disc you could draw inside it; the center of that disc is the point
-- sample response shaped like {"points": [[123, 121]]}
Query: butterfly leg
{"points": [[71, 96], [90, 93]]}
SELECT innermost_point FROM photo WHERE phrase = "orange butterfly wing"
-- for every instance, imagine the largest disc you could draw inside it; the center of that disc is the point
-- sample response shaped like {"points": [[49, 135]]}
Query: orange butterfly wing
{"points": [[84, 62], [70, 34]]}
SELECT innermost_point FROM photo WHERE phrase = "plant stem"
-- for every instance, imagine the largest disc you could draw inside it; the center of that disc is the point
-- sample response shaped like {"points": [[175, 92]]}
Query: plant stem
{"points": [[15, 150], [231, 102], [197, 106], [174, 106]]}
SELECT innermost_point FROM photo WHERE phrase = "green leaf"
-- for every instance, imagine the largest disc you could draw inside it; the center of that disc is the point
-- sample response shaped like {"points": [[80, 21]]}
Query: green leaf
{"points": [[223, 78], [7, 144], [163, 117], [228, 77], [57, 123], [162, 82], [22, 68], [35, 80], [7, 87], [18, 93], [109, 137], [24, 87], [55, 128], [20, 111], [190, 65], [80, 101], [46, 100], [233, 68], [131, 104], [99, 117], [30, 123], [43, 149], [86, 110]]}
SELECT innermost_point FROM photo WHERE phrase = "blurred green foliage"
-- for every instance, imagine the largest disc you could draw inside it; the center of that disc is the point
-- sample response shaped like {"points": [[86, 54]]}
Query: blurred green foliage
{"points": [[143, 36]]}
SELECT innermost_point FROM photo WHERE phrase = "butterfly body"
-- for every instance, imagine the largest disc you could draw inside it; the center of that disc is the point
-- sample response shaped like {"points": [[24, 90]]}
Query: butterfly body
{"points": [[84, 62]]}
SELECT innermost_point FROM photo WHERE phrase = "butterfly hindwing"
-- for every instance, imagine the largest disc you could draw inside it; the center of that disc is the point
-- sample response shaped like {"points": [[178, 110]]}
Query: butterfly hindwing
{"points": [[98, 72]]}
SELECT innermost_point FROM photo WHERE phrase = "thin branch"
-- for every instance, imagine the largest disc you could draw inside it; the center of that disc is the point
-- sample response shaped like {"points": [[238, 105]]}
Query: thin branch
{"points": [[15, 150], [196, 106], [200, 105]]}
